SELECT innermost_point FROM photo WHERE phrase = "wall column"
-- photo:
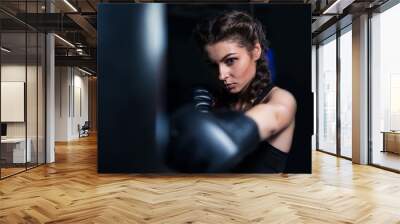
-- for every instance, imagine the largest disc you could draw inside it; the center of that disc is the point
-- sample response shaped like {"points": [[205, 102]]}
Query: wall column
{"points": [[360, 90]]}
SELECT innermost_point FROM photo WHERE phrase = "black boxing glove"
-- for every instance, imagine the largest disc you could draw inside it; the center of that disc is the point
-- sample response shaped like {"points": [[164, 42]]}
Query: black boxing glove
{"points": [[210, 142], [203, 99]]}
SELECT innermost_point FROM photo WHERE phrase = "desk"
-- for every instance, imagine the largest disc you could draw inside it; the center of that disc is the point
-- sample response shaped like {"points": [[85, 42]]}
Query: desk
{"points": [[391, 141], [15, 148]]}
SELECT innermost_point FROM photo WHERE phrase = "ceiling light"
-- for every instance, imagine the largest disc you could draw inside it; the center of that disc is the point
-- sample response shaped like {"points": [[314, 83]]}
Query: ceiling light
{"points": [[337, 7], [70, 5], [84, 71], [5, 50], [64, 40], [331, 7]]}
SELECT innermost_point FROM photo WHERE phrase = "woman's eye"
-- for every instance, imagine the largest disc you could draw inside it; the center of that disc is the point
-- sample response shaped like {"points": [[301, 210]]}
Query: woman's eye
{"points": [[230, 61]]}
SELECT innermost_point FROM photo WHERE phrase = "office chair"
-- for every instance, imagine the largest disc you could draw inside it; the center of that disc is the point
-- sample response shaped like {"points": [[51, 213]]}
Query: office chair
{"points": [[84, 130]]}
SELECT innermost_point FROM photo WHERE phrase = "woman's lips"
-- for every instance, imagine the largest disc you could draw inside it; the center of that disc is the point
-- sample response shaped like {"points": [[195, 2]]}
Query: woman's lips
{"points": [[230, 85]]}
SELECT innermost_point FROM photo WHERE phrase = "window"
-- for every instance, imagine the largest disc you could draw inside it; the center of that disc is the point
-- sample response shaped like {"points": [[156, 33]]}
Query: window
{"points": [[327, 95], [346, 93], [385, 88]]}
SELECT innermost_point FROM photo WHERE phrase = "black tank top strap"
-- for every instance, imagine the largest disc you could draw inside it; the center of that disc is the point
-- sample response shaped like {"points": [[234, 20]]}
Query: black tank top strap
{"points": [[263, 94]]}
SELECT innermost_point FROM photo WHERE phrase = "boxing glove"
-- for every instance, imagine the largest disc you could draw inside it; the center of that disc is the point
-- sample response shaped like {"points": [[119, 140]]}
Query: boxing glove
{"points": [[202, 99], [209, 142]]}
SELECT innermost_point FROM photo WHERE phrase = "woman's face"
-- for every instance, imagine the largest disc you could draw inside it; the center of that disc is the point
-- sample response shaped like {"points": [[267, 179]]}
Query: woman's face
{"points": [[235, 65]]}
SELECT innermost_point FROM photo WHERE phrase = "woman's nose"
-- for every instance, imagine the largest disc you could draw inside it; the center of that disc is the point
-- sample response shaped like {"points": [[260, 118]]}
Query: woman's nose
{"points": [[223, 73]]}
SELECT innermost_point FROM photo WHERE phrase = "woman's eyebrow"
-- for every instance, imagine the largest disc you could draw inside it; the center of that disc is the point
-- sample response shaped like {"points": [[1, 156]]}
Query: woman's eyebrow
{"points": [[227, 56]]}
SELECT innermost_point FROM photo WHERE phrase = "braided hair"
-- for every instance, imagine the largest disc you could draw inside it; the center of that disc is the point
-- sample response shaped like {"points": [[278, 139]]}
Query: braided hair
{"points": [[246, 31]]}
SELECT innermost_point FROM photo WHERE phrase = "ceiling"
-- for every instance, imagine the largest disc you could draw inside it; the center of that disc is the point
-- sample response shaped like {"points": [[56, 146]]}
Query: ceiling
{"points": [[76, 22]]}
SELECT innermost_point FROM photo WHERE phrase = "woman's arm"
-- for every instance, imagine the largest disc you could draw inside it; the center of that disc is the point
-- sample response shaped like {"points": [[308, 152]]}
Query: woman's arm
{"points": [[275, 115]]}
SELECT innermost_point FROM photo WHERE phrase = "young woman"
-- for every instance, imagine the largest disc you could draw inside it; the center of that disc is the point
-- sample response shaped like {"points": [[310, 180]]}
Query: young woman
{"points": [[234, 43]]}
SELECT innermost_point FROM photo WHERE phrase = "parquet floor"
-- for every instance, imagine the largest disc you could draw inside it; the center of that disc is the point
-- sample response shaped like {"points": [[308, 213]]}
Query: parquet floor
{"points": [[10, 171], [71, 191]]}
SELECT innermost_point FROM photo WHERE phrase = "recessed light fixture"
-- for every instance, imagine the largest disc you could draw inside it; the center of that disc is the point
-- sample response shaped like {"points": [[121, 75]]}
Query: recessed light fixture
{"points": [[5, 50], [70, 5], [65, 41], [79, 51]]}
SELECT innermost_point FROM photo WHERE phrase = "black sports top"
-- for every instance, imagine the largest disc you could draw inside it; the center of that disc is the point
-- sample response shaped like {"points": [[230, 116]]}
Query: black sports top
{"points": [[266, 158]]}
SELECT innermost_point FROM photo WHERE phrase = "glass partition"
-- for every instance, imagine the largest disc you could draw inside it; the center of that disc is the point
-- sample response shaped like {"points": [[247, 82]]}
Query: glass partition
{"points": [[22, 88], [14, 153]]}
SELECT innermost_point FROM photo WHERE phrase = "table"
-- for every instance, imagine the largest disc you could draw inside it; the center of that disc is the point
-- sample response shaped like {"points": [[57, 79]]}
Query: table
{"points": [[13, 150], [391, 141]]}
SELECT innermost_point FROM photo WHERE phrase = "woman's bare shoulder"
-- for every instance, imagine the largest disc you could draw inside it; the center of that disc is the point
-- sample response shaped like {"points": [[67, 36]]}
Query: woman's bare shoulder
{"points": [[283, 97], [276, 114]]}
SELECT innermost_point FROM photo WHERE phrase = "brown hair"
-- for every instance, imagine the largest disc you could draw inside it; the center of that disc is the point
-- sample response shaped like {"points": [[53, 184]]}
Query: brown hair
{"points": [[246, 31]]}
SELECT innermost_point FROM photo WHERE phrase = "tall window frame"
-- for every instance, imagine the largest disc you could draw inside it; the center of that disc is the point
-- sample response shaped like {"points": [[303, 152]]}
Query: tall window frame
{"points": [[337, 150], [373, 63]]}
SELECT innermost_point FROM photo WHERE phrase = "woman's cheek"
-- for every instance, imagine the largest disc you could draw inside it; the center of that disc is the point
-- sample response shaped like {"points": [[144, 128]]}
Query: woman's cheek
{"points": [[241, 70], [235, 68]]}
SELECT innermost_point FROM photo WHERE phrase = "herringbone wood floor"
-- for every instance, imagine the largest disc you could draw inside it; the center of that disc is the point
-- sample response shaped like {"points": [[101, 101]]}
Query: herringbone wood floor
{"points": [[71, 191]]}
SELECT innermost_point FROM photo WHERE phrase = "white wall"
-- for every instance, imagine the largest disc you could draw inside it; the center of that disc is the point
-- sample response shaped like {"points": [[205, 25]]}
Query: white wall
{"points": [[71, 92], [13, 72], [80, 103], [62, 81], [16, 72]]}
